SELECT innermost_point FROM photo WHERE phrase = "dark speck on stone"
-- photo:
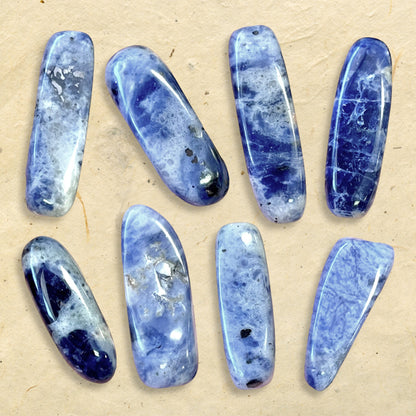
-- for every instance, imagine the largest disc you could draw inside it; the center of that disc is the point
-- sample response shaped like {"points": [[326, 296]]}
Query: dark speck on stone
{"points": [[189, 152], [224, 250], [244, 333], [255, 32], [282, 168], [254, 383], [213, 187], [194, 130], [194, 160]]}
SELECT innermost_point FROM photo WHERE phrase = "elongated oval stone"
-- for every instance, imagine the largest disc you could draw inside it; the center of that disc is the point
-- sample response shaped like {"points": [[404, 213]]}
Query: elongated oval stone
{"points": [[267, 122], [245, 305], [158, 297], [68, 309], [60, 123], [352, 278], [164, 123], [358, 130]]}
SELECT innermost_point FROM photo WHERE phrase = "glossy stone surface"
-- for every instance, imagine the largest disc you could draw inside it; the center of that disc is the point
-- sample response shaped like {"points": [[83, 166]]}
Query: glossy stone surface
{"points": [[267, 122], [169, 131], [358, 129], [60, 123], [158, 297], [245, 305], [352, 278], [68, 309]]}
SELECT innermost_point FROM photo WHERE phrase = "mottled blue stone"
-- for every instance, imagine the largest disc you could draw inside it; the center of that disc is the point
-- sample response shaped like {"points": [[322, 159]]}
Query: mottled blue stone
{"points": [[60, 123], [352, 278], [245, 305], [167, 128], [267, 122], [68, 309], [358, 129], [158, 297]]}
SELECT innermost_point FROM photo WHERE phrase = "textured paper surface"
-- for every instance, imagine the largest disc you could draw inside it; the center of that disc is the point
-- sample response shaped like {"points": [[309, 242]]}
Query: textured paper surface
{"points": [[378, 376]]}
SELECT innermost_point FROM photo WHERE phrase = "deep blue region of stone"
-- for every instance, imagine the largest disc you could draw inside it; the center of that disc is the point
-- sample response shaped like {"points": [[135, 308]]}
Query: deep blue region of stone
{"points": [[351, 280], [245, 305], [85, 355], [165, 125], [57, 289], [68, 309], [158, 298], [358, 129], [267, 123], [60, 123]]}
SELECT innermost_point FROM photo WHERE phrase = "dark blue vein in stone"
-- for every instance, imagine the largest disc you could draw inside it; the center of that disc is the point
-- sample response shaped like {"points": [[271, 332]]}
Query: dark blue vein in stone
{"points": [[351, 280], [68, 309], [158, 297], [167, 128], [358, 129], [60, 123], [245, 305], [267, 122]]}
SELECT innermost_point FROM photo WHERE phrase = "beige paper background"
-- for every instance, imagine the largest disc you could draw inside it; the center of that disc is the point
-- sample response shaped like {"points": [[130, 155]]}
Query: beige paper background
{"points": [[379, 375]]}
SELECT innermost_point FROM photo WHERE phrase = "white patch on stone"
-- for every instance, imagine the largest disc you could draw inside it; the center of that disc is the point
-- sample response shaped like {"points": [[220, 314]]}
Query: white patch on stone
{"points": [[78, 74], [57, 73], [58, 89]]}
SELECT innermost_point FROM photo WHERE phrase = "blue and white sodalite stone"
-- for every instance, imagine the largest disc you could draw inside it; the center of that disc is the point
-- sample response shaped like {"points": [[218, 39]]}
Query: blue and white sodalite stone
{"points": [[165, 125], [60, 123], [267, 122], [358, 129], [245, 305], [158, 297], [352, 278], [68, 309]]}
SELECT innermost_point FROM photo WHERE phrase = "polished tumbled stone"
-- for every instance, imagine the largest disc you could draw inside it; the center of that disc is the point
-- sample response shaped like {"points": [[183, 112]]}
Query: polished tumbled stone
{"points": [[60, 123], [245, 305], [352, 278], [358, 129], [267, 122], [158, 297], [68, 309], [165, 125]]}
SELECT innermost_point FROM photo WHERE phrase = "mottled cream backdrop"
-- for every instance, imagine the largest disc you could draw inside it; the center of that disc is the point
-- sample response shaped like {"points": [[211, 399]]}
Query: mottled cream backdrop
{"points": [[378, 376]]}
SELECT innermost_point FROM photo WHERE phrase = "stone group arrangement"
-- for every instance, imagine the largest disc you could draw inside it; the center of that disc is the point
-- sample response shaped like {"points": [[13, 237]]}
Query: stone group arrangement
{"points": [[157, 283]]}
